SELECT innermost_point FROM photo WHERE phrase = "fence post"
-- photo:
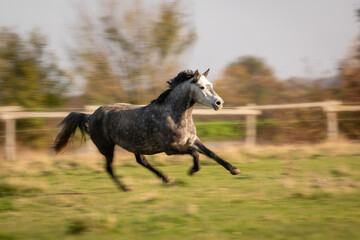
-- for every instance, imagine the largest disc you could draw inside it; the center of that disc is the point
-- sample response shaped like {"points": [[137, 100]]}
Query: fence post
{"points": [[10, 139], [332, 125], [250, 129]]}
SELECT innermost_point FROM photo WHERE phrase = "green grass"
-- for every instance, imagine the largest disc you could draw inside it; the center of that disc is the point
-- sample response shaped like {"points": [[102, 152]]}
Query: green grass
{"points": [[283, 193], [220, 130]]}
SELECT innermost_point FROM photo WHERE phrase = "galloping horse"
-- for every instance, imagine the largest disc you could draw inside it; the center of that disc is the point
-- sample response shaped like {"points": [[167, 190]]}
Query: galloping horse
{"points": [[165, 125]]}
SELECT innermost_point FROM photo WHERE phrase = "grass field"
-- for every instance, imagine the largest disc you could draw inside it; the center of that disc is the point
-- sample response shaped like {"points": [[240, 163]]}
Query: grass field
{"points": [[220, 130], [293, 192]]}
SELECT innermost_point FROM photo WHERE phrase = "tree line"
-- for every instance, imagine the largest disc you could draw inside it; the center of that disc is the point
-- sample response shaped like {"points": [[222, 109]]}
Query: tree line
{"points": [[127, 56]]}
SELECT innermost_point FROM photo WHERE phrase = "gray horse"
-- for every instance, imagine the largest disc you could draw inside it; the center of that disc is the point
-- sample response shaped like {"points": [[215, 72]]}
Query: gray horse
{"points": [[165, 125]]}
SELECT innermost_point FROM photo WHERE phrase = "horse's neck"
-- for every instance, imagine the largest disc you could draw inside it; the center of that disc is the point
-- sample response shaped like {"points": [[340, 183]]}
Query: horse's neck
{"points": [[180, 103]]}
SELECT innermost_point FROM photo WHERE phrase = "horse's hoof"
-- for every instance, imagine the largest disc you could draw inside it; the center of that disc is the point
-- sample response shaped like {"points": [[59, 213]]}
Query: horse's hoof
{"points": [[235, 171], [192, 171], [166, 179]]}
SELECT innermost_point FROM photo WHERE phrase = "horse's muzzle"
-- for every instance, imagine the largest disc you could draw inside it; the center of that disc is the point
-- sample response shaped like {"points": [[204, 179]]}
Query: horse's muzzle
{"points": [[218, 104]]}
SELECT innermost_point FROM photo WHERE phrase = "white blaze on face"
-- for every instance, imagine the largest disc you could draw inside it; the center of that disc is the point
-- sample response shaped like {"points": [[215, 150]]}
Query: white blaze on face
{"points": [[205, 94], [204, 82]]}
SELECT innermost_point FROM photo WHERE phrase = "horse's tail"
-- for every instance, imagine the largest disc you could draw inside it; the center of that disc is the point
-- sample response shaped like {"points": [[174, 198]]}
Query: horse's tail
{"points": [[70, 123]]}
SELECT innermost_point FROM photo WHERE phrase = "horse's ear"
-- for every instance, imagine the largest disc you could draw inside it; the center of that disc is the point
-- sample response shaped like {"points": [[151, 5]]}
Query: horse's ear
{"points": [[197, 76], [206, 73]]}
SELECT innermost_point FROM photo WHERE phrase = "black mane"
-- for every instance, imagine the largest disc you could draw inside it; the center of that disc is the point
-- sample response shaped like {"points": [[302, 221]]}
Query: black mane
{"points": [[180, 78]]}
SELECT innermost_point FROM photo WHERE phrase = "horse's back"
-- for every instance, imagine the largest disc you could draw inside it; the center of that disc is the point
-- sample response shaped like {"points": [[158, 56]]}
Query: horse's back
{"points": [[116, 107], [104, 119], [143, 130], [126, 125]]}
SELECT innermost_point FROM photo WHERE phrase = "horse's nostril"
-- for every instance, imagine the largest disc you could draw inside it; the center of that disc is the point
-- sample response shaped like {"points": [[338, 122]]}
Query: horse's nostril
{"points": [[218, 103]]}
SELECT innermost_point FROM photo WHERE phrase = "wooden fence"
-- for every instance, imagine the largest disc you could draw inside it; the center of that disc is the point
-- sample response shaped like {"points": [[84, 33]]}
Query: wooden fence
{"points": [[10, 114]]}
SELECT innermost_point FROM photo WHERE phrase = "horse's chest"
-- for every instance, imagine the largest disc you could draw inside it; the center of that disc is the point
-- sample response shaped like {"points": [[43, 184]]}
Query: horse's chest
{"points": [[186, 140], [183, 133]]}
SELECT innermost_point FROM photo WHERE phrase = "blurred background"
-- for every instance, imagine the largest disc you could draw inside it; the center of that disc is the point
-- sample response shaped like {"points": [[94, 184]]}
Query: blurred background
{"points": [[288, 70], [64, 55]]}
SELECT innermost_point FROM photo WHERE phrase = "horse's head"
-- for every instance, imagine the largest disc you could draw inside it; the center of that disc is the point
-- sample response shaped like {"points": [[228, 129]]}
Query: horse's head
{"points": [[202, 91]]}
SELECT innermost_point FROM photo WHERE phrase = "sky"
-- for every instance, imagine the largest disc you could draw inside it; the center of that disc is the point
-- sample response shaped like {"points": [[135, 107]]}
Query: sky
{"points": [[296, 38]]}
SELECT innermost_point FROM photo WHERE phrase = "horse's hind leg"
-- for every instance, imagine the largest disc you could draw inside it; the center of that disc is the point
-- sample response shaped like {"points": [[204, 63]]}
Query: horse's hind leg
{"points": [[109, 160], [204, 150], [108, 151], [141, 159]]}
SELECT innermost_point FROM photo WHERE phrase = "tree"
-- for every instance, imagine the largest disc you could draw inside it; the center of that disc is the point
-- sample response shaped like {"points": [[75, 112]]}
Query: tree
{"points": [[29, 75], [349, 89], [31, 78], [132, 51], [350, 73], [248, 80], [102, 85], [350, 76]]}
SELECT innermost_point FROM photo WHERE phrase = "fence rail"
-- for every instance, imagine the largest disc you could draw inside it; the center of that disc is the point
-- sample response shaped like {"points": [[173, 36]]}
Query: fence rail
{"points": [[10, 114]]}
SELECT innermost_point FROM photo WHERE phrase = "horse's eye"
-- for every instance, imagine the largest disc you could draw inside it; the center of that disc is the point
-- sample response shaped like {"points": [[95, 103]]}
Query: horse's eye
{"points": [[202, 87]]}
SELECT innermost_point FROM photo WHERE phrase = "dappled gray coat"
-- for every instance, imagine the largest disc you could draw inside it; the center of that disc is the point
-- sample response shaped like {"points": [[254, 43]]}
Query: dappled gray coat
{"points": [[165, 125]]}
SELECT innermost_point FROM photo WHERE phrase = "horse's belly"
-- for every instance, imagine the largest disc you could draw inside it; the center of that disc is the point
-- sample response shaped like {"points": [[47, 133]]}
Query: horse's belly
{"points": [[141, 147]]}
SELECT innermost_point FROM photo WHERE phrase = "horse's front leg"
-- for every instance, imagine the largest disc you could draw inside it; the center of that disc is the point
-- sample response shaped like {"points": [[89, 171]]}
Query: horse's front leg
{"points": [[177, 150], [195, 168], [204, 150]]}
